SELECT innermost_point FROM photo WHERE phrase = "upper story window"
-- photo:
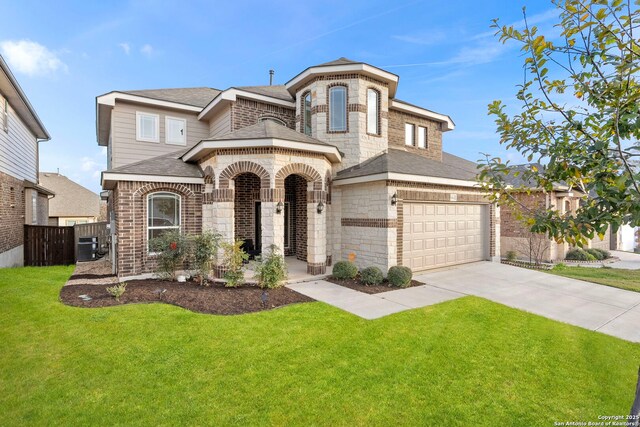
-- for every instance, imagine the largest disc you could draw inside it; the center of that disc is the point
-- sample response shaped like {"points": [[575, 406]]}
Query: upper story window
{"points": [[147, 127], [422, 137], [272, 119], [338, 109], [373, 111], [410, 134], [163, 213], [176, 130], [4, 114], [306, 113]]}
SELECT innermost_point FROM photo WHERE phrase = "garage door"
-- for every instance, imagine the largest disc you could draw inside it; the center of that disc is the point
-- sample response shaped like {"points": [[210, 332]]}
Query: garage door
{"points": [[440, 234]]}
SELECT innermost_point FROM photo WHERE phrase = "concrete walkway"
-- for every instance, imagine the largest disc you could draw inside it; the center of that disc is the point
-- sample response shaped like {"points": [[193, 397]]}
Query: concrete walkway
{"points": [[596, 307], [628, 260], [373, 306]]}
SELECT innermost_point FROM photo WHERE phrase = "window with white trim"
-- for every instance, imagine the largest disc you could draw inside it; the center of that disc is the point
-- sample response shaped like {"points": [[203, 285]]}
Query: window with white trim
{"points": [[337, 109], [373, 111], [422, 137], [147, 127], [34, 207], [410, 134], [163, 214], [175, 130], [306, 114], [4, 114]]}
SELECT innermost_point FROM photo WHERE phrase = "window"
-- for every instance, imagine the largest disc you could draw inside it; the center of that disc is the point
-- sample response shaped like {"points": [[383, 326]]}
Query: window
{"points": [[422, 137], [409, 134], [306, 114], [163, 213], [147, 127], [34, 207], [272, 119], [373, 111], [4, 114], [70, 223], [176, 130], [338, 109]]}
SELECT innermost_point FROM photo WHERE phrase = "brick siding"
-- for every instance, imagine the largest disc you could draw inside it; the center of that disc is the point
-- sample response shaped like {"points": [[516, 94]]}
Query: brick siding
{"points": [[11, 212], [397, 121], [296, 194], [245, 113], [247, 192]]}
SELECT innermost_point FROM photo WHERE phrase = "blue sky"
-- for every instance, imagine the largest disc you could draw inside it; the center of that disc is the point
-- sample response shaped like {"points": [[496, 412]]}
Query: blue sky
{"points": [[65, 53]]}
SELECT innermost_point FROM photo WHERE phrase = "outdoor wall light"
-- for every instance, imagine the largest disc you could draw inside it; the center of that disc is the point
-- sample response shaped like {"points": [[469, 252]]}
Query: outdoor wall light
{"points": [[394, 199], [279, 207], [320, 207]]}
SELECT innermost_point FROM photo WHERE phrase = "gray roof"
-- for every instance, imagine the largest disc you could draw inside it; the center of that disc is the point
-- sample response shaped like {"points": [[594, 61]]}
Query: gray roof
{"points": [[196, 96], [400, 161], [519, 180], [274, 91], [71, 198], [339, 61], [165, 165], [268, 129]]}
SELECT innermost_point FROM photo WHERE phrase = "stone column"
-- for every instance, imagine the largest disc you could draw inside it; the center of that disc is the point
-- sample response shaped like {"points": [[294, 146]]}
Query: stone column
{"points": [[316, 233], [272, 223], [218, 216]]}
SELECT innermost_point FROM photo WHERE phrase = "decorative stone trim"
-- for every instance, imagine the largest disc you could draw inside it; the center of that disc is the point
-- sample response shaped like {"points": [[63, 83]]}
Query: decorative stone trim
{"points": [[241, 167], [369, 222], [272, 194], [400, 231], [258, 151], [219, 195], [347, 76], [306, 171], [329, 86], [427, 186], [429, 196], [379, 109], [219, 271], [316, 196], [316, 268]]}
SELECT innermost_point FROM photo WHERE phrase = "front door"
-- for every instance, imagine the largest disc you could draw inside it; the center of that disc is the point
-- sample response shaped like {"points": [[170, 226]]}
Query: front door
{"points": [[258, 227]]}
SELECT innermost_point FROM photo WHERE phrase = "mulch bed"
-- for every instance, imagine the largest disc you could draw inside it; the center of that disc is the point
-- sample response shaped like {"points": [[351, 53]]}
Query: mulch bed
{"points": [[214, 299], [357, 285]]}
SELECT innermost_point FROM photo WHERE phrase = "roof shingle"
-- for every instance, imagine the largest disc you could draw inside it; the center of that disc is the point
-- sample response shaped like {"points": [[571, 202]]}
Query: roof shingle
{"points": [[71, 198], [195, 96], [165, 165], [268, 129]]}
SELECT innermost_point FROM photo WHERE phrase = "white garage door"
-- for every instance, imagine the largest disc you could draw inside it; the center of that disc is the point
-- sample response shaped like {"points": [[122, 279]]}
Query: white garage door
{"points": [[440, 234]]}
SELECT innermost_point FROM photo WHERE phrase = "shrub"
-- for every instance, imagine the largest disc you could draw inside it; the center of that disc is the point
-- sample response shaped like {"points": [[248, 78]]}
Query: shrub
{"points": [[171, 248], [371, 276], [233, 261], [205, 250], [595, 253], [117, 291], [399, 276], [344, 270], [271, 269], [579, 254], [512, 256], [604, 253]]}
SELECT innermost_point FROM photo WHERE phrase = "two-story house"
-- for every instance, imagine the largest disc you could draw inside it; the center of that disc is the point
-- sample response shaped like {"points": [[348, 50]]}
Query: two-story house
{"points": [[329, 166], [22, 200]]}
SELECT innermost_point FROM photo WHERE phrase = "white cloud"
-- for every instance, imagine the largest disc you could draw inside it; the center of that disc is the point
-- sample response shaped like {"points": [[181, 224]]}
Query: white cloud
{"points": [[88, 164], [126, 47], [31, 58], [427, 38], [147, 50]]}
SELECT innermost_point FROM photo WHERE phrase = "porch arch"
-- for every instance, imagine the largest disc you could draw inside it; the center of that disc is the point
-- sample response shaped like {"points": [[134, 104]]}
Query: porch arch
{"points": [[237, 168], [305, 171]]}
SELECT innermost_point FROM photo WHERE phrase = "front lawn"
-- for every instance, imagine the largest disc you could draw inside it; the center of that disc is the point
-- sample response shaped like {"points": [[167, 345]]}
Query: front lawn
{"points": [[616, 277], [463, 362]]}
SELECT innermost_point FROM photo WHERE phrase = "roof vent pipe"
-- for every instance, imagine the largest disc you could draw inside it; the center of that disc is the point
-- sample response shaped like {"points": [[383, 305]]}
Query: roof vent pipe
{"points": [[271, 72]]}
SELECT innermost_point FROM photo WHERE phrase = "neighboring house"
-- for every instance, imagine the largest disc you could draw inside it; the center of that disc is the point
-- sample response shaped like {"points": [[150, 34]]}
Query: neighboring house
{"points": [[73, 204], [626, 239], [330, 166], [514, 234], [22, 199]]}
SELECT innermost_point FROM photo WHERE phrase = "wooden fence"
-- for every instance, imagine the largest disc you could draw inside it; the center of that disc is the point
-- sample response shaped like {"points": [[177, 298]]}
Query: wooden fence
{"points": [[51, 245], [47, 245]]}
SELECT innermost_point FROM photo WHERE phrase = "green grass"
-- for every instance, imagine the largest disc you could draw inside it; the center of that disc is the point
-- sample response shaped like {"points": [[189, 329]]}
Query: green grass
{"points": [[463, 362], [616, 277]]}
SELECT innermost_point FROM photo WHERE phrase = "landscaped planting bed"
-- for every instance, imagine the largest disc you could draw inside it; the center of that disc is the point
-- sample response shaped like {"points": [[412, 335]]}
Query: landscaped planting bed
{"points": [[357, 285], [214, 299]]}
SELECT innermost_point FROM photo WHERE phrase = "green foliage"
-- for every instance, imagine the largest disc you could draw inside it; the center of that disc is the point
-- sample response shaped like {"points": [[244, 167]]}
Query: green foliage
{"points": [[371, 276], [344, 270], [171, 249], [560, 267], [233, 259], [117, 291], [271, 269], [512, 256], [597, 254], [579, 118], [604, 254], [399, 276], [205, 250], [579, 254]]}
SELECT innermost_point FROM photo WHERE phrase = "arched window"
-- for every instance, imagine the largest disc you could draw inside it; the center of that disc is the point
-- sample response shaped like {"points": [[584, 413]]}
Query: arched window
{"points": [[306, 113], [163, 214], [373, 111], [272, 119], [338, 109]]}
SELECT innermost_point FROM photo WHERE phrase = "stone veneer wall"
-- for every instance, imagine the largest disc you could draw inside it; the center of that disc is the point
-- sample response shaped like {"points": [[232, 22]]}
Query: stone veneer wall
{"points": [[12, 211], [130, 204], [397, 120], [245, 112]]}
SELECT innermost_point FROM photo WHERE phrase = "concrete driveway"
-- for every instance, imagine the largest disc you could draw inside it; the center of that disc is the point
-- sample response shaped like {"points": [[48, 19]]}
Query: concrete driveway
{"points": [[628, 260], [596, 307]]}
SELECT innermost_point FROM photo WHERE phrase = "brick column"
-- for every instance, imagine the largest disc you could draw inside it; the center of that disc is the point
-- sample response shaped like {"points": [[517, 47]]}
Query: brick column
{"points": [[316, 233]]}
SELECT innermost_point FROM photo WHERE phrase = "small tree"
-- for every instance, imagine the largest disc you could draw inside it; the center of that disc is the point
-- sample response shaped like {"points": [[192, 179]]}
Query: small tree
{"points": [[171, 250], [205, 250], [233, 259], [534, 245], [588, 143], [271, 269]]}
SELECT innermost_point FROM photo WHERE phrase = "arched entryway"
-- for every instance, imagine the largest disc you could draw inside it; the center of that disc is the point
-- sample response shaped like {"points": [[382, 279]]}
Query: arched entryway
{"points": [[247, 212], [295, 220]]}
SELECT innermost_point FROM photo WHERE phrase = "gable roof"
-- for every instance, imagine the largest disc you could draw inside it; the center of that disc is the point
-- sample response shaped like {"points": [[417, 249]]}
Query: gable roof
{"points": [[403, 162], [274, 91], [340, 61], [166, 165], [196, 96], [268, 129], [72, 199]]}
